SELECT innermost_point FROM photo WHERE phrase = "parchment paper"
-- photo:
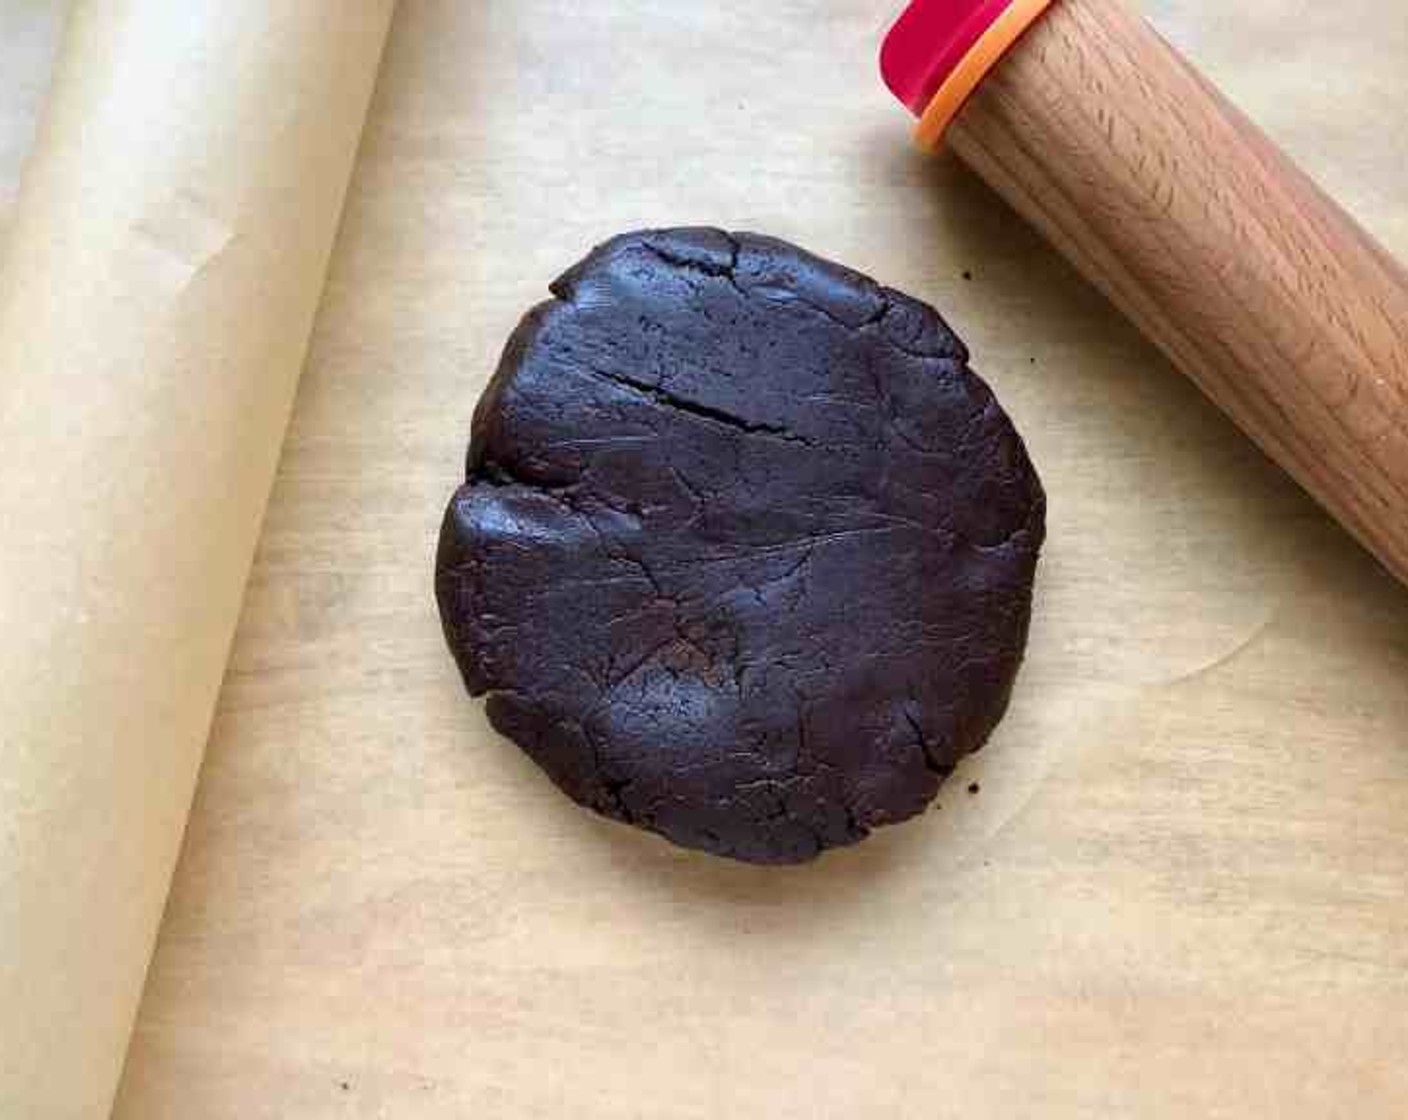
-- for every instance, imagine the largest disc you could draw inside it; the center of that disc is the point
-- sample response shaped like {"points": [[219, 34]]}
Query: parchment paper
{"points": [[166, 256], [29, 37], [1179, 892]]}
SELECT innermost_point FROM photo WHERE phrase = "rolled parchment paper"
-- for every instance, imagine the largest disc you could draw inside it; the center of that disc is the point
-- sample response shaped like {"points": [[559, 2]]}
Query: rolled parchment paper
{"points": [[164, 263]]}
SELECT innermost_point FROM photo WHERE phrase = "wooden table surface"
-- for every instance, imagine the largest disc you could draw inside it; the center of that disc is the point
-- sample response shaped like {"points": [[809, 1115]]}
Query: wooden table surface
{"points": [[1181, 891]]}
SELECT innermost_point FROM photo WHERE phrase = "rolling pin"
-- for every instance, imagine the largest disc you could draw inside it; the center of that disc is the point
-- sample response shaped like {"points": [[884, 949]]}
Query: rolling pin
{"points": [[1250, 278]]}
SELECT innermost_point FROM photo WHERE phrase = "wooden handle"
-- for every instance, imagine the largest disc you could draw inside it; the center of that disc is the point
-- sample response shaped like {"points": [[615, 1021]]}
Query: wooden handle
{"points": [[1246, 274]]}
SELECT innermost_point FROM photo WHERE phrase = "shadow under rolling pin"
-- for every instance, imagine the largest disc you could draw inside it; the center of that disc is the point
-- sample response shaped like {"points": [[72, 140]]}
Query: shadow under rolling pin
{"points": [[1249, 277]]}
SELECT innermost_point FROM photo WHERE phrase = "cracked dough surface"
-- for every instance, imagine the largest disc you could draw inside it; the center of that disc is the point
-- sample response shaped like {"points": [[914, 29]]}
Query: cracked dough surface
{"points": [[745, 552]]}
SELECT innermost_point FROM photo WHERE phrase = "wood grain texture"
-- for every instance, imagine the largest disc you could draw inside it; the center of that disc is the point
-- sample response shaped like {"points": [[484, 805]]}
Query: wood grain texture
{"points": [[1180, 891], [1251, 279]]}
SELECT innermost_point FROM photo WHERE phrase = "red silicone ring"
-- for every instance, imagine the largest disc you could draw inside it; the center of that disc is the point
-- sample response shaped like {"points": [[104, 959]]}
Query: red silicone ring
{"points": [[928, 42]]}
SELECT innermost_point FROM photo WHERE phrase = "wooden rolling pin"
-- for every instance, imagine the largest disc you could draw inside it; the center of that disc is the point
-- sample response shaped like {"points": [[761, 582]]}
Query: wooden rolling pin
{"points": [[1252, 280]]}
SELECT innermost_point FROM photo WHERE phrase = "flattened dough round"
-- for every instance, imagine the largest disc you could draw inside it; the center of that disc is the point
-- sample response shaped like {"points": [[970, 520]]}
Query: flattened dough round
{"points": [[745, 554]]}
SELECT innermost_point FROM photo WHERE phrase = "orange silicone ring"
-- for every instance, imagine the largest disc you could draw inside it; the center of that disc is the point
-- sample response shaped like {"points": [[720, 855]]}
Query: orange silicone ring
{"points": [[986, 53]]}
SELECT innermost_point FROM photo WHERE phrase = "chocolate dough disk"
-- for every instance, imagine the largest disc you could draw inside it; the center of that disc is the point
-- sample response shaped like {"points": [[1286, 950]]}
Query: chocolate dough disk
{"points": [[746, 552]]}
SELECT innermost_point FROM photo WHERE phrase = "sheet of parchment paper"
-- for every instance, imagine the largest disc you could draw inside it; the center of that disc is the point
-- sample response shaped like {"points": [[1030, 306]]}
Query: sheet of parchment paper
{"points": [[1179, 892], [29, 38], [165, 258]]}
